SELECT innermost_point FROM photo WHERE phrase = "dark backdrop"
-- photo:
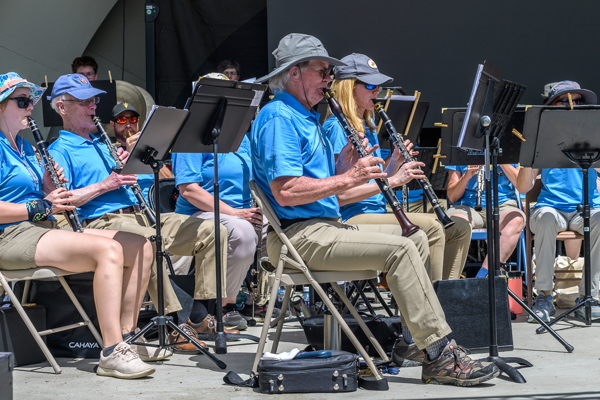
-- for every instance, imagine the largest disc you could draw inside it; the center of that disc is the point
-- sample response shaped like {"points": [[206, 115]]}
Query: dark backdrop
{"points": [[434, 46], [193, 36]]}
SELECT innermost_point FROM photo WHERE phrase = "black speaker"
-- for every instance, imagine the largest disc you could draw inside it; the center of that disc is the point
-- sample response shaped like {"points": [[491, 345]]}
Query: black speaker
{"points": [[465, 303], [16, 338], [6, 381]]}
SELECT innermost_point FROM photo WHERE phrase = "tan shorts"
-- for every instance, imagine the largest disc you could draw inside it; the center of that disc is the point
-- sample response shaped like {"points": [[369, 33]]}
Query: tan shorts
{"points": [[18, 243], [478, 219]]}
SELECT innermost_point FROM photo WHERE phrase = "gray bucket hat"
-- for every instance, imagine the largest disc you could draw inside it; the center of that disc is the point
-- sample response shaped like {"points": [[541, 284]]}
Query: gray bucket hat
{"points": [[362, 68], [296, 48], [564, 87]]}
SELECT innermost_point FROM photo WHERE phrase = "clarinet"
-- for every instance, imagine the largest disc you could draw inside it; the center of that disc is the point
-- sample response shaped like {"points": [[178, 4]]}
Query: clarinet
{"points": [[408, 228], [48, 162], [424, 183], [479, 190], [137, 190]]}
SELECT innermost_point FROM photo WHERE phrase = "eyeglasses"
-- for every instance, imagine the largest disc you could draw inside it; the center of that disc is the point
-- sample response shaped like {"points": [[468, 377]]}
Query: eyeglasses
{"points": [[22, 102], [88, 102], [565, 101], [123, 120], [324, 72], [368, 86]]}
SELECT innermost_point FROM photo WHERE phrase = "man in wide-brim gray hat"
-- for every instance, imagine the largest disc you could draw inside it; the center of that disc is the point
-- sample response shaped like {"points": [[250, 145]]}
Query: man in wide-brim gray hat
{"points": [[294, 165]]}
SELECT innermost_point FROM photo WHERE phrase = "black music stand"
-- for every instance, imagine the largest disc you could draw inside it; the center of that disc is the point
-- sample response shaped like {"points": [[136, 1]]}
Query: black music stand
{"points": [[486, 117], [158, 135], [546, 128], [510, 143], [220, 110]]}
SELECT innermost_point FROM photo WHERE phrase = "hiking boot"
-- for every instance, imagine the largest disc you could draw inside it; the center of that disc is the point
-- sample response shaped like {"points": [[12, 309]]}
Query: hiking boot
{"points": [[123, 363], [454, 366], [209, 325], [407, 355], [185, 348], [580, 312], [234, 320], [149, 353], [261, 312], [543, 307]]}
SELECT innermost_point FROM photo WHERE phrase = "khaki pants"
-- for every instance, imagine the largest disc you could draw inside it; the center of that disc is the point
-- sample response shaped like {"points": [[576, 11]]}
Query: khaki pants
{"points": [[329, 245], [417, 206], [448, 247], [546, 222], [182, 235]]}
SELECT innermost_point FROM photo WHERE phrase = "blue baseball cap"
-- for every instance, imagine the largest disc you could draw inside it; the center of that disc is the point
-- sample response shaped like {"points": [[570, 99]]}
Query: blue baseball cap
{"points": [[76, 85]]}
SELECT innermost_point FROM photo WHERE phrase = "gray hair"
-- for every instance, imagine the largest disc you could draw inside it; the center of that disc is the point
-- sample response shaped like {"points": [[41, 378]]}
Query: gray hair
{"points": [[279, 82], [61, 97]]}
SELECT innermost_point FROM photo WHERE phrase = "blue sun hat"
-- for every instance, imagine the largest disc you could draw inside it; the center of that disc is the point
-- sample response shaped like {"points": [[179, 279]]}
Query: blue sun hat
{"points": [[76, 85], [11, 80]]}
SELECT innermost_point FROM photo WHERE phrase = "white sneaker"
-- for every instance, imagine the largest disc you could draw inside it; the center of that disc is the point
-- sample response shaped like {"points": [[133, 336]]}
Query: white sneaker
{"points": [[149, 353], [123, 363]]}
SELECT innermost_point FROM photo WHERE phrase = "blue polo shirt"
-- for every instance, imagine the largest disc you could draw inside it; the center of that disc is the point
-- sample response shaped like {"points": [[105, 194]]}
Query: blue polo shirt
{"points": [[145, 181], [563, 189], [506, 190], [287, 140], [337, 136], [234, 175], [88, 161], [20, 174]]}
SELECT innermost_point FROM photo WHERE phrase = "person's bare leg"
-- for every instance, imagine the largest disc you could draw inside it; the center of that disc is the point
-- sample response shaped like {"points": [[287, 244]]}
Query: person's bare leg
{"points": [[91, 253], [511, 225], [138, 256], [573, 248]]}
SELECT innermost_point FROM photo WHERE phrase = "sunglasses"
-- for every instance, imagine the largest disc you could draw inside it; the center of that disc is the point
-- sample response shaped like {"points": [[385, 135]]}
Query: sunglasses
{"points": [[368, 86], [565, 101], [123, 120], [88, 102], [324, 72], [22, 102]]}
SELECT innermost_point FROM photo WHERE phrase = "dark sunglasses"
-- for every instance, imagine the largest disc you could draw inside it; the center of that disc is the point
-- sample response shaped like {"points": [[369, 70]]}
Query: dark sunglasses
{"points": [[22, 102], [123, 120], [324, 72], [368, 86], [565, 101]]}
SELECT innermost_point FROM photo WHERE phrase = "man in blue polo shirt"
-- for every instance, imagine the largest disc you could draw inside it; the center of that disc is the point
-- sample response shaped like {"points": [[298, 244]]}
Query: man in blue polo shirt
{"points": [[293, 162], [556, 211], [104, 200]]}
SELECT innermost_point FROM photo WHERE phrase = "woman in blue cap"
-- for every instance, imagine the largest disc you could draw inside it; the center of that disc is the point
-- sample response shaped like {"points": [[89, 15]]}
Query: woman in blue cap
{"points": [[29, 236], [356, 86]]}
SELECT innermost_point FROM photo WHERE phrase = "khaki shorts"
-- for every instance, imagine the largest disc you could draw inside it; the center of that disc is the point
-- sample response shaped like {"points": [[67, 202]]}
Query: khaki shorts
{"points": [[478, 219], [18, 243]]}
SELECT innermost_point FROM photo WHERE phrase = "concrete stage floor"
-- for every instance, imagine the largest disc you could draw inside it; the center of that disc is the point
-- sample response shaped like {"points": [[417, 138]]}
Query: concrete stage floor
{"points": [[555, 374]]}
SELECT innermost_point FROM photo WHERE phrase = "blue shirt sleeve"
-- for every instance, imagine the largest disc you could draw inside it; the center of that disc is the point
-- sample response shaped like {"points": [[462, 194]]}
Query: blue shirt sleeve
{"points": [[281, 149]]}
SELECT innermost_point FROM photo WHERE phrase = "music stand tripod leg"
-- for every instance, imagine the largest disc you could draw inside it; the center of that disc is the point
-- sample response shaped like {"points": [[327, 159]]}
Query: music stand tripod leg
{"points": [[161, 320]]}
